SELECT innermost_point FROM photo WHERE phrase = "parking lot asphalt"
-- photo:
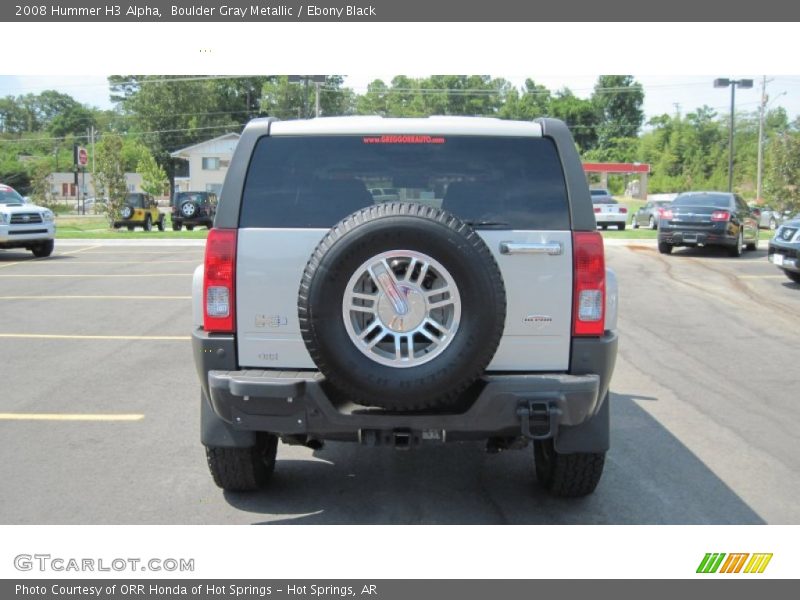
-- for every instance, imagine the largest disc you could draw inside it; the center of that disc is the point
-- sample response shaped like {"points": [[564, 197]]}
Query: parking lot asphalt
{"points": [[99, 407]]}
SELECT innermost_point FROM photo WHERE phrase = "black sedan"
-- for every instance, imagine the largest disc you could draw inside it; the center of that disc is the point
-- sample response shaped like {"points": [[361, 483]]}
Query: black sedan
{"points": [[708, 219], [784, 249]]}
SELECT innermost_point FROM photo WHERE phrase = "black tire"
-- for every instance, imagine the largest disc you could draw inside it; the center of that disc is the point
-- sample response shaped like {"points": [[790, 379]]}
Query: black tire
{"points": [[44, 249], [665, 248], [634, 223], [736, 251], [148, 223], [160, 223], [621, 226], [567, 475], [131, 227], [387, 227], [190, 228], [177, 226], [604, 226], [653, 224], [126, 212], [752, 246], [243, 469], [792, 275], [189, 209]]}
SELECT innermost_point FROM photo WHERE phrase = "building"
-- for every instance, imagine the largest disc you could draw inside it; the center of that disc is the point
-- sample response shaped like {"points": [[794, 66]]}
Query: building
{"points": [[64, 190], [207, 163]]}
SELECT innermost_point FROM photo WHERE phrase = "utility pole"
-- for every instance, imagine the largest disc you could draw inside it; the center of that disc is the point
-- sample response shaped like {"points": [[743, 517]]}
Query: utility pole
{"points": [[761, 109], [94, 189], [733, 84], [316, 102]]}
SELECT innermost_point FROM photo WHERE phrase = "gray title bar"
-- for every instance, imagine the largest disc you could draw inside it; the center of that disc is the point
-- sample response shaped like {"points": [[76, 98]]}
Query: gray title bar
{"points": [[387, 589], [399, 11]]}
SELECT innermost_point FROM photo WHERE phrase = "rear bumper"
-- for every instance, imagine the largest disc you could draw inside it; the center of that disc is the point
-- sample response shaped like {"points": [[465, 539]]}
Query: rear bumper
{"points": [[713, 236], [610, 218], [789, 253], [506, 406]]}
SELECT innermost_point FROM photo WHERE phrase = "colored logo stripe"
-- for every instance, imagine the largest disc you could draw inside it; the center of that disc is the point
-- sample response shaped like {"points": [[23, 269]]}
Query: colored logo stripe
{"points": [[733, 564], [758, 563], [710, 563]]}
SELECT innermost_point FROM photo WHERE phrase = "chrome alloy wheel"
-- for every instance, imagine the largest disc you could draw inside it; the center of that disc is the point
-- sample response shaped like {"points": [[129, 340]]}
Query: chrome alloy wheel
{"points": [[401, 308]]}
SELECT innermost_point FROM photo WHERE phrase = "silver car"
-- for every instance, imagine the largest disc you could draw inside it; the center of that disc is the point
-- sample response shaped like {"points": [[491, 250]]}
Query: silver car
{"points": [[649, 214], [768, 217]]}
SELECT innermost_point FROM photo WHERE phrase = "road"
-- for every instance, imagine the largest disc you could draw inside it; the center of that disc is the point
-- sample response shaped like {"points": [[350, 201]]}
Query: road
{"points": [[704, 407]]}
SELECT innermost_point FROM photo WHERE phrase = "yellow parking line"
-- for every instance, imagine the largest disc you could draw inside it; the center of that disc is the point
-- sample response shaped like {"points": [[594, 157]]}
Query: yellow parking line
{"points": [[66, 417], [80, 250], [40, 275], [128, 262], [44, 258], [95, 297], [53, 336]]}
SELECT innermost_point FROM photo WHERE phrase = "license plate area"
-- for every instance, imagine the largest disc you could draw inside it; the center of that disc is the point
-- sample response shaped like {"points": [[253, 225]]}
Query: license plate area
{"points": [[777, 259], [690, 238]]}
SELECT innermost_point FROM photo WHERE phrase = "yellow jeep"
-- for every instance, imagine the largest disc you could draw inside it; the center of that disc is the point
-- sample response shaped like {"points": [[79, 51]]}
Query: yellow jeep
{"points": [[140, 210]]}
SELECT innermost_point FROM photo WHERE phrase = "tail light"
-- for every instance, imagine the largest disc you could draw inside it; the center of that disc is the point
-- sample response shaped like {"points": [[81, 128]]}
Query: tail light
{"points": [[597, 209], [623, 210], [589, 293], [720, 215], [219, 280], [665, 213]]}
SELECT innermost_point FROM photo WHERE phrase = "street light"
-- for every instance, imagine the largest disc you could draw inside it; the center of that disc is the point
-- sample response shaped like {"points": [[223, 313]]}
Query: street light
{"points": [[733, 83]]}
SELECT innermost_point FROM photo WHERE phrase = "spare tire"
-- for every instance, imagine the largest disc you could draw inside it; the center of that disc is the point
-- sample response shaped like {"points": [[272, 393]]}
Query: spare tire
{"points": [[189, 209], [127, 211], [401, 306]]}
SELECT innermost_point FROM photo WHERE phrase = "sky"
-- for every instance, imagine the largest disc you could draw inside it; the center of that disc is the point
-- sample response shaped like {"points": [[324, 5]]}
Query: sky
{"points": [[663, 93]]}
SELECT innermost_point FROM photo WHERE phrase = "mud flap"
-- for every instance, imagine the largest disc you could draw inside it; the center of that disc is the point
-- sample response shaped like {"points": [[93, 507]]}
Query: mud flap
{"points": [[590, 436]]}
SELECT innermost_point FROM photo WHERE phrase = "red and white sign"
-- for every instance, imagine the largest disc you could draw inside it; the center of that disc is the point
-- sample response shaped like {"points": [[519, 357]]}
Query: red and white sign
{"points": [[83, 157]]}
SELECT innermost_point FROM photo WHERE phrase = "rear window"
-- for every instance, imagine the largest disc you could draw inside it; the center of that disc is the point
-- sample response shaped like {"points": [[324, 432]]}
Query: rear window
{"points": [[603, 200], [714, 200], [136, 200], [191, 196], [599, 192], [314, 182]]}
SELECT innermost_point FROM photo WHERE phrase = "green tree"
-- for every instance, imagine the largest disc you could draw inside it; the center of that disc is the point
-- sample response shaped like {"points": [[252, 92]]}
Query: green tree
{"points": [[110, 174], [579, 115], [782, 174], [619, 100], [169, 112], [154, 178]]}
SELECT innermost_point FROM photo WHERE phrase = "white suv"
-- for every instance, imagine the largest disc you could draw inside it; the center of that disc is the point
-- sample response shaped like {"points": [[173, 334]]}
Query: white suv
{"points": [[477, 308], [25, 225]]}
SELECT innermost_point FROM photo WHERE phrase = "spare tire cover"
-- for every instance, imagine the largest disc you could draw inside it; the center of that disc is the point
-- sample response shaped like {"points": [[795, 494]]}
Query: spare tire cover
{"points": [[402, 306]]}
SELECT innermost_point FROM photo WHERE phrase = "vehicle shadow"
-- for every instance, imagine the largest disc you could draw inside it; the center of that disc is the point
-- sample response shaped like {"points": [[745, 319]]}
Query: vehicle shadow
{"points": [[26, 256], [650, 478], [720, 252]]}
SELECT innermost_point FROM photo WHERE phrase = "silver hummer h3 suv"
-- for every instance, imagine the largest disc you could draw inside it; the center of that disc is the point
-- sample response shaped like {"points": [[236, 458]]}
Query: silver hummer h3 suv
{"points": [[475, 306]]}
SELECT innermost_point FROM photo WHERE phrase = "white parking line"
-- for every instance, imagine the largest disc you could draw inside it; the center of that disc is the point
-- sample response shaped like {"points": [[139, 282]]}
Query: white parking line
{"points": [[41, 275], [95, 297], [54, 336], [67, 417]]}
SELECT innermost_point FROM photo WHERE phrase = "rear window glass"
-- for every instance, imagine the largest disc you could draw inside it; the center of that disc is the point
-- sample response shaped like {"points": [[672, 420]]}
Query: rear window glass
{"points": [[603, 200], [314, 182], [715, 200], [599, 192], [191, 196], [136, 200]]}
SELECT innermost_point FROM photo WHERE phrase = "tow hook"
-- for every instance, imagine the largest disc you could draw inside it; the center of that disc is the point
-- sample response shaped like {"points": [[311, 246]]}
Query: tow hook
{"points": [[538, 419]]}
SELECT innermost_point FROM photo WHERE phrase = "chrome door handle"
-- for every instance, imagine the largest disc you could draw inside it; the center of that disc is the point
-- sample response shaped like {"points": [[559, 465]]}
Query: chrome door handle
{"points": [[549, 248]]}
